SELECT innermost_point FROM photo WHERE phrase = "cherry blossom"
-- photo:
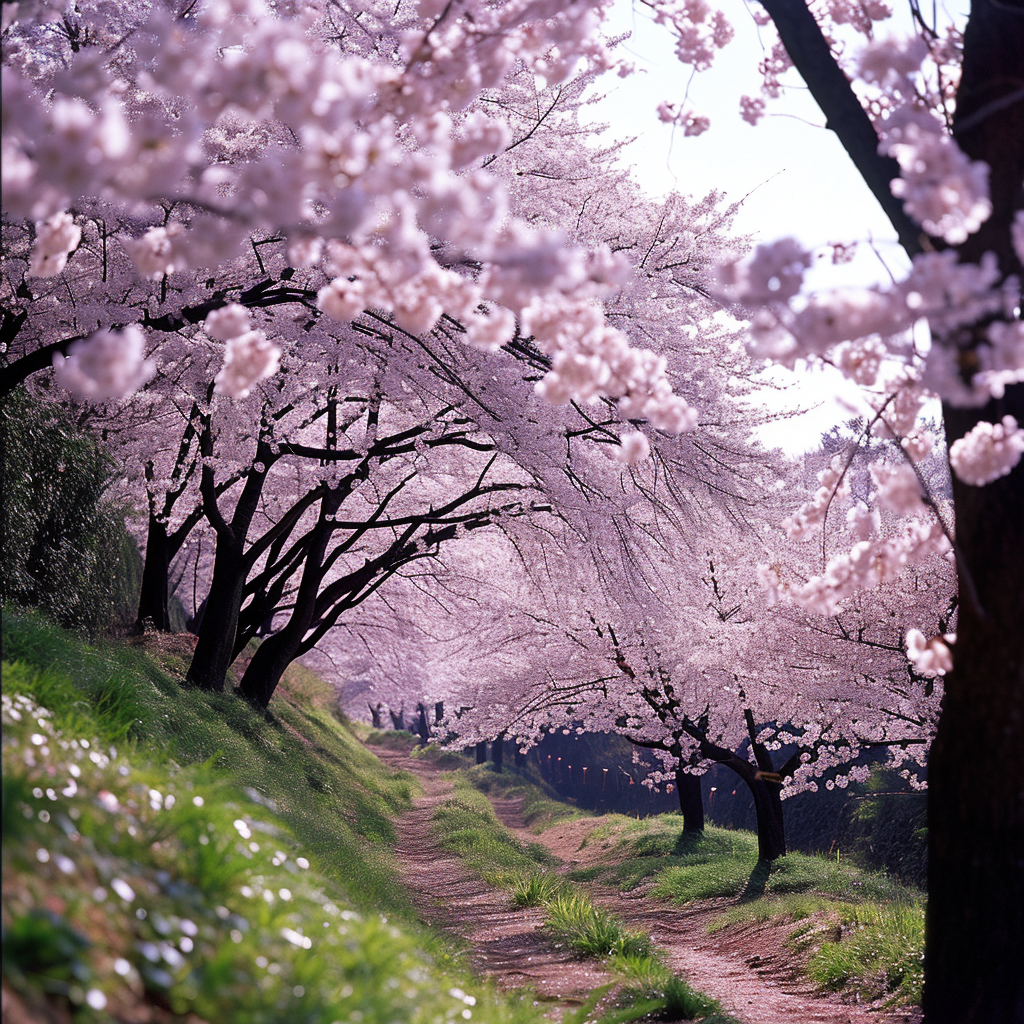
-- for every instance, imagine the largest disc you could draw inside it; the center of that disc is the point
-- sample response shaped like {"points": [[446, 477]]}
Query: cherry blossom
{"points": [[987, 452], [248, 358], [55, 240], [930, 657], [107, 365]]}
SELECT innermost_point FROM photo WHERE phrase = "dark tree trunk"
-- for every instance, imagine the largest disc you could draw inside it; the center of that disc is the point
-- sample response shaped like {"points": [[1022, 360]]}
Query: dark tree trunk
{"points": [[264, 671], [691, 802], [975, 919], [397, 719], [215, 647], [375, 718], [765, 787], [771, 831], [481, 752], [438, 711], [519, 757], [974, 949], [422, 728], [498, 751], [153, 597]]}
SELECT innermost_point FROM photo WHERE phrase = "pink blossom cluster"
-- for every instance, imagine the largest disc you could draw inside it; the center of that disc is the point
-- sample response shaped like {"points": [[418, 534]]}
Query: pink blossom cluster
{"points": [[862, 330], [109, 364], [932, 656], [865, 566], [56, 238], [249, 356], [699, 29], [943, 190], [752, 109], [590, 358], [245, 117], [693, 124], [987, 452], [833, 486]]}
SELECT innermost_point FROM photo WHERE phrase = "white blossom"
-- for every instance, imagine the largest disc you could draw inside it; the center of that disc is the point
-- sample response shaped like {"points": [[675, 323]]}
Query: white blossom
{"points": [[931, 657], [55, 240]]}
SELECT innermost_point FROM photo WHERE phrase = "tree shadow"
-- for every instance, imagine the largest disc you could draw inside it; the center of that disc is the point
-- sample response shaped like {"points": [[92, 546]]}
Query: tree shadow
{"points": [[756, 883], [687, 842]]}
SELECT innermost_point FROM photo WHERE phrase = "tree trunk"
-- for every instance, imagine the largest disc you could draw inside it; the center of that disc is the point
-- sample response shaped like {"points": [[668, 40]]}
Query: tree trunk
{"points": [[974, 928], [691, 802], [974, 950], [422, 728], [153, 597], [263, 673], [375, 715], [215, 647], [498, 751], [481, 752], [771, 830]]}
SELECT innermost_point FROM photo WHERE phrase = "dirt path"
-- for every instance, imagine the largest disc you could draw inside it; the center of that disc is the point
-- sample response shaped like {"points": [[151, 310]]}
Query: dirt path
{"points": [[748, 969], [505, 942]]}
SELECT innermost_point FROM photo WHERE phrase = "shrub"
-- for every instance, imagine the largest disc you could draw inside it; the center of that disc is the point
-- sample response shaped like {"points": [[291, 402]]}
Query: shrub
{"points": [[64, 545]]}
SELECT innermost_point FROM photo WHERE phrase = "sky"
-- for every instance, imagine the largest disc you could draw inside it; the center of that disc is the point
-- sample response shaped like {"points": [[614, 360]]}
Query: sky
{"points": [[790, 172]]}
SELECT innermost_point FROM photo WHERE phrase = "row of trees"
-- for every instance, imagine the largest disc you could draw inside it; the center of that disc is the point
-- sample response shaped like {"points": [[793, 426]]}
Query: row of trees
{"points": [[378, 296]]}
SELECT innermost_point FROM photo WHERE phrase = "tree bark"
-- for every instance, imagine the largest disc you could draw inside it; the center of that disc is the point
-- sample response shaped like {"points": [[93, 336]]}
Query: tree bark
{"points": [[691, 802], [215, 647], [974, 949], [481, 752], [153, 596], [771, 830], [214, 651], [975, 920], [498, 751]]}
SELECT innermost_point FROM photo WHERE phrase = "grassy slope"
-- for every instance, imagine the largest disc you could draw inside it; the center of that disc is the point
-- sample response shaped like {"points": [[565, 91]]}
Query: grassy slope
{"points": [[864, 929], [168, 853]]}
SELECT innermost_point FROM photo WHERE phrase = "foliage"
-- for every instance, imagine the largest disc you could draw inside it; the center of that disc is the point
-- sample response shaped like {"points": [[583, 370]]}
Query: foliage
{"points": [[573, 918], [889, 828], [65, 547], [117, 694]]}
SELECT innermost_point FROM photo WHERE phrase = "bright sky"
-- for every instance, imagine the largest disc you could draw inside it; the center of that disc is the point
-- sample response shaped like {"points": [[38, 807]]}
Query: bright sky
{"points": [[791, 173]]}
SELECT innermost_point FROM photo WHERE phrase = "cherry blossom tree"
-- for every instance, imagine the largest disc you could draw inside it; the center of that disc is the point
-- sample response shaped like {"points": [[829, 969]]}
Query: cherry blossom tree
{"points": [[706, 672], [146, 149], [935, 126]]}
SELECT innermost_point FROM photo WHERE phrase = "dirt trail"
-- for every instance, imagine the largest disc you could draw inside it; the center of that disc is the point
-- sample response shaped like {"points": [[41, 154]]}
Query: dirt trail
{"points": [[748, 969], [505, 941]]}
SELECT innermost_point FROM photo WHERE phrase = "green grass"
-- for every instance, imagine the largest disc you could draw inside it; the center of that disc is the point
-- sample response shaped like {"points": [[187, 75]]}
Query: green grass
{"points": [[864, 929], [467, 826], [880, 953], [166, 848], [573, 918], [651, 986], [540, 807]]}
